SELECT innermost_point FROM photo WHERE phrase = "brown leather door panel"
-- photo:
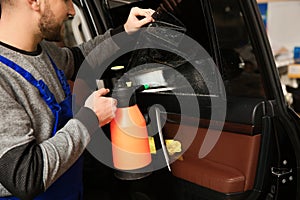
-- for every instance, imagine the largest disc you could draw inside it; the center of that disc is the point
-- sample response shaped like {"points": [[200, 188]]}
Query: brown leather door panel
{"points": [[229, 168]]}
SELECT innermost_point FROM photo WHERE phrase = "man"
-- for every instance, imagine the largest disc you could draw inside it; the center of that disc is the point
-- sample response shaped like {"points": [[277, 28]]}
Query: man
{"points": [[41, 142]]}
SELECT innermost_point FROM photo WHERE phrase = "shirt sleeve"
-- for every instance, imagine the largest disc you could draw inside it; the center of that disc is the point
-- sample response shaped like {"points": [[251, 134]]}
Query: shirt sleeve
{"points": [[21, 160], [30, 161]]}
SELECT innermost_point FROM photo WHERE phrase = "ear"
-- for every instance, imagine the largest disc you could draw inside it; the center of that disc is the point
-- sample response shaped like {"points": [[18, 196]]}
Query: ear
{"points": [[34, 4]]}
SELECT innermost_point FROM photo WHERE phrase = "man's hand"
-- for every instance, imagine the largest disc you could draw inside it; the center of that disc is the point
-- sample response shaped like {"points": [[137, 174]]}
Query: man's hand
{"points": [[133, 23], [104, 107]]}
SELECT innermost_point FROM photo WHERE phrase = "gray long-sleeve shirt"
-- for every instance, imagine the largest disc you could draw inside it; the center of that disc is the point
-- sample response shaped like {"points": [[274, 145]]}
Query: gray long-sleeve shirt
{"points": [[30, 159]]}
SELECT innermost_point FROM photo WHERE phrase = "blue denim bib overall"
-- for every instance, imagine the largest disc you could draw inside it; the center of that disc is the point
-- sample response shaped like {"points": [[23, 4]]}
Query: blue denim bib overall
{"points": [[69, 185]]}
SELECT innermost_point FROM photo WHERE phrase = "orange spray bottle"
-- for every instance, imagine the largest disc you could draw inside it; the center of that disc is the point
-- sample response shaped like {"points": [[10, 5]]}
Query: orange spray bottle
{"points": [[129, 136]]}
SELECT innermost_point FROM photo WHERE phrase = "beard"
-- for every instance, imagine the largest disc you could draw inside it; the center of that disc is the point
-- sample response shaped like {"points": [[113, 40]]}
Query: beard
{"points": [[49, 28]]}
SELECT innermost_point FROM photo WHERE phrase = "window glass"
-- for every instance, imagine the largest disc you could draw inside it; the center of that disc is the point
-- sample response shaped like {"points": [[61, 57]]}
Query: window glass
{"points": [[196, 75], [240, 70], [238, 67]]}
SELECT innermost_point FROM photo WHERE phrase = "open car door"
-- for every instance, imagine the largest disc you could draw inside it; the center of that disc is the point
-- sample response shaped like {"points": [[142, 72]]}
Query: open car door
{"points": [[220, 97]]}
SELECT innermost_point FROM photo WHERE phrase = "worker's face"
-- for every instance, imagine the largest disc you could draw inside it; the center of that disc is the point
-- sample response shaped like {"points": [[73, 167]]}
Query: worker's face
{"points": [[52, 19]]}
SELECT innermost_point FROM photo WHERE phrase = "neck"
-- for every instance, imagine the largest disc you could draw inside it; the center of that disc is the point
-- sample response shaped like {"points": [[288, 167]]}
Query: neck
{"points": [[17, 32]]}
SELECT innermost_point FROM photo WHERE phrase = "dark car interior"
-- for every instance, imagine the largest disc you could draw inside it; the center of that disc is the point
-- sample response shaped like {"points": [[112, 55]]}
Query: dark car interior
{"points": [[233, 167]]}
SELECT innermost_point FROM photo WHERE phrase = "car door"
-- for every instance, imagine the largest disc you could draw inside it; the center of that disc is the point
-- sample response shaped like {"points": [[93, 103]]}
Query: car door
{"points": [[225, 106]]}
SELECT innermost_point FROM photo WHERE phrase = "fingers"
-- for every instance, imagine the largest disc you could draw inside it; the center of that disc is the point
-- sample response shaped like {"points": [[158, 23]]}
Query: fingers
{"points": [[144, 21], [104, 107], [133, 23], [102, 91], [114, 102], [142, 12], [108, 111]]}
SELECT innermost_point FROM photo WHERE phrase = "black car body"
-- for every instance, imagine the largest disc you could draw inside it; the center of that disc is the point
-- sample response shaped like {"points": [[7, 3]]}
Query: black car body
{"points": [[256, 155]]}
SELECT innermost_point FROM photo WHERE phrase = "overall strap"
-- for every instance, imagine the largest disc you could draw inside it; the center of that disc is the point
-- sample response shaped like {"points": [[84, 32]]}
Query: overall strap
{"points": [[69, 185], [62, 78], [45, 93]]}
